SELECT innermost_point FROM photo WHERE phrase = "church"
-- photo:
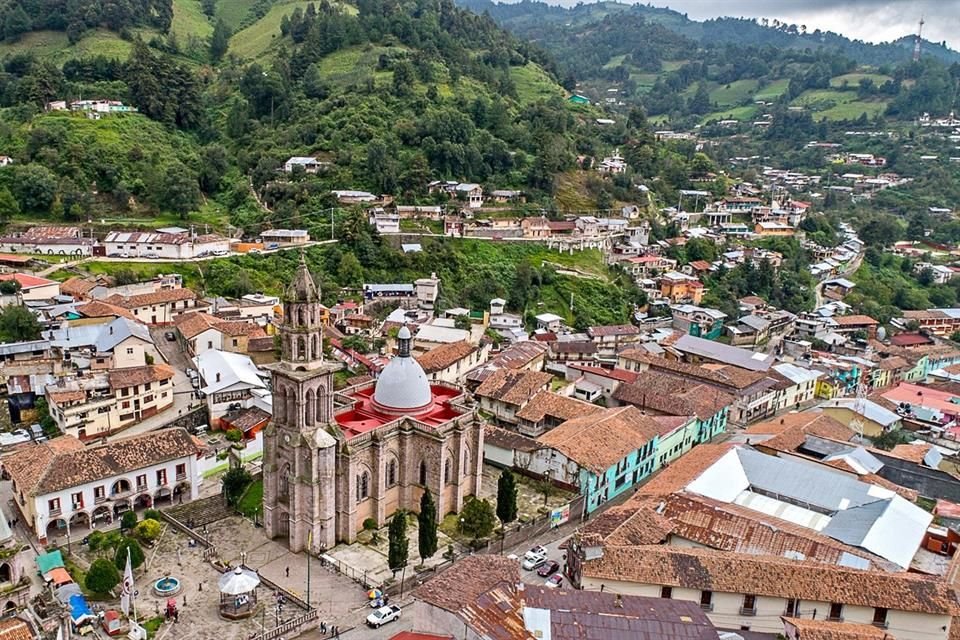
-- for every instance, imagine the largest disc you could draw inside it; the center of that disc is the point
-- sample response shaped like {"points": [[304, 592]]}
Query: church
{"points": [[332, 460]]}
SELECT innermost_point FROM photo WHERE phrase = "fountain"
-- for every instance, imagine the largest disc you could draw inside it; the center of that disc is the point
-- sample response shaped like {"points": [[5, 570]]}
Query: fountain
{"points": [[167, 586]]}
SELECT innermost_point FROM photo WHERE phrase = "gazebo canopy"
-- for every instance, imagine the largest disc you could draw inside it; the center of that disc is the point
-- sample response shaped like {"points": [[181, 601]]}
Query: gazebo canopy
{"points": [[238, 581]]}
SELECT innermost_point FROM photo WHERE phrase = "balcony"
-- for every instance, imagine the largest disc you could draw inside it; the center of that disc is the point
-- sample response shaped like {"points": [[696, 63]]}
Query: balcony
{"points": [[181, 476], [99, 499], [748, 611], [142, 488], [56, 512], [706, 607]]}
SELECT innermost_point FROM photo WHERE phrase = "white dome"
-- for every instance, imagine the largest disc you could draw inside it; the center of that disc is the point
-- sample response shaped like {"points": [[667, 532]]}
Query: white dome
{"points": [[402, 385]]}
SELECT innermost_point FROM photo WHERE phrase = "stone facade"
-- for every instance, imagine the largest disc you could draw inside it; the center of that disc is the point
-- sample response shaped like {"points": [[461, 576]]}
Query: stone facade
{"points": [[324, 475]]}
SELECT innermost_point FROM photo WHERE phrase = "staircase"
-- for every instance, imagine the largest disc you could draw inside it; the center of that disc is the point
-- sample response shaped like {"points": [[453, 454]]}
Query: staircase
{"points": [[202, 512]]}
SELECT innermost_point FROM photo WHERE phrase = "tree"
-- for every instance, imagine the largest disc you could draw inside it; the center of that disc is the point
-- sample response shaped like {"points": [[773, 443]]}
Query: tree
{"points": [[399, 551], [219, 41], [9, 287], [427, 531], [349, 271], [235, 481], [477, 519], [16, 22], [148, 530], [403, 75], [889, 439], [507, 497], [9, 206], [17, 324], [179, 191], [136, 554], [102, 576], [462, 322], [128, 520]]}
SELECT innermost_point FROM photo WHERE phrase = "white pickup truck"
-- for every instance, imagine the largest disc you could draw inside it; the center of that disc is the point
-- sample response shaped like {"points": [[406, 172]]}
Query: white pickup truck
{"points": [[383, 615]]}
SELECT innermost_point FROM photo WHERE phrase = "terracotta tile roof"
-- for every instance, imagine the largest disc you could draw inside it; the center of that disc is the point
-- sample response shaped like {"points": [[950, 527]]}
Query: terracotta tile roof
{"points": [[600, 440], [753, 300], [790, 430], [465, 581], [131, 376], [101, 309], [723, 375], [910, 495], [580, 347], [720, 571], [439, 358], [63, 397], [246, 419], [910, 452], [146, 299], [64, 462], [239, 328], [892, 363], [27, 465], [508, 439], [854, 320], [826, 630], [910, 339], [700, 265], [685, 469], [193, 324], [16, 629], [76, 287], [671, 395], [669, 424], [613, 330], [26, 280], [547, 403], [513, 386]]}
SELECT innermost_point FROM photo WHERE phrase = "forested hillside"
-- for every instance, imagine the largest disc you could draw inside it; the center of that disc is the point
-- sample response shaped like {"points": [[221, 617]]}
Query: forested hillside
{"points": [[689, 73]]}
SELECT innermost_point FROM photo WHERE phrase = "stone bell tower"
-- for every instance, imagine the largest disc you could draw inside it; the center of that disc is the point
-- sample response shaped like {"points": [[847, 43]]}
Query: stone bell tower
{"points": [[299, 452]]}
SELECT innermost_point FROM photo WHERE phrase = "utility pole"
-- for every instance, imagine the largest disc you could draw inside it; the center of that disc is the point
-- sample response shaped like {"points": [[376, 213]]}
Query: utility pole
{"points": [[918, 43]]}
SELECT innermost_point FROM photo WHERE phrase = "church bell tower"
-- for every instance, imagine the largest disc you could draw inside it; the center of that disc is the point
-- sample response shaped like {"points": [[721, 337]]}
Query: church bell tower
{"points": [[298, 450]]}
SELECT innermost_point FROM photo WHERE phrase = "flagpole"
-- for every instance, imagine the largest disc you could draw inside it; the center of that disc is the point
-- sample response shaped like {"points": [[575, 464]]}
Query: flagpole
{"points": [[309, 550]]}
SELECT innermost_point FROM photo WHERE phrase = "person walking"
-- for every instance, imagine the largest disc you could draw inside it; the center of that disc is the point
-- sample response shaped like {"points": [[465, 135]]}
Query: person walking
{"points": [[288, 572]]}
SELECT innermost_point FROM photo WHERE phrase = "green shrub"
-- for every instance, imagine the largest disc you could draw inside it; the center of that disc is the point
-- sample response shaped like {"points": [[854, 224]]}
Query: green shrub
{"points": [[128, 520], [96, 540], [148, 530], [370, 524], [136, 554], [152, 514], [234, 435]]}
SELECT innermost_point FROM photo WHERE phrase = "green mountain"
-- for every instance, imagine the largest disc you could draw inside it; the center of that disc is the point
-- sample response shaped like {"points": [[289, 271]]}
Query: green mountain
{"points": [[688, 72]]}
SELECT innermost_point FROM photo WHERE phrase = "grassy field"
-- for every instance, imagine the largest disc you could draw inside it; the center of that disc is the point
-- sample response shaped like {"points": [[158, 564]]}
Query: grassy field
{"points": [[350, 65], [55, 47], [673, 65], [852, 80], [852, 110], [823, 99], [533, 84], [252, 42], [233, 11], [743, 114], [734, 93], [190, 20], [772, 91]]}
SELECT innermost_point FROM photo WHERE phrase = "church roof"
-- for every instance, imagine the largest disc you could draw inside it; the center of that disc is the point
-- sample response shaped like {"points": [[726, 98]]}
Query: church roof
{"points": [[303, 288], [403, 384]]}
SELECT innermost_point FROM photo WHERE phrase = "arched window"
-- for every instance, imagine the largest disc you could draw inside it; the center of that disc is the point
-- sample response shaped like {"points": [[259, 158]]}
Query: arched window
{"points": [[447, 471], [303, 317], [391, 473], [283, 482], [314, 353], [363, 486], [466, 460], [308, 417], [301, 348], [321, 413], [423, 473]]}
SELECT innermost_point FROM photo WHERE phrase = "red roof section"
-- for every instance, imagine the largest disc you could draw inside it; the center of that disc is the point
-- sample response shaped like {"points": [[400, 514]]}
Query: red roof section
{"points": [[26, 280], [910, 339], [364, 417], [410, 635]]}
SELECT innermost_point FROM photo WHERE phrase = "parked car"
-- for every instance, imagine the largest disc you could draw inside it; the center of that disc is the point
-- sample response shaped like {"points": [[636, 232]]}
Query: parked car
{"points": [[540, 550], [254, 252], [554, 581], [548, 569], [273, 245], [124, 255], [383, 615], [532, 560], [221, 252], [150, 255], [170, 336]]}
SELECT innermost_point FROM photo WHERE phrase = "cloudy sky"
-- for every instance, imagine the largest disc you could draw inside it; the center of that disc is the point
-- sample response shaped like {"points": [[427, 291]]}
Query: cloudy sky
{"points": [[870, 20]]}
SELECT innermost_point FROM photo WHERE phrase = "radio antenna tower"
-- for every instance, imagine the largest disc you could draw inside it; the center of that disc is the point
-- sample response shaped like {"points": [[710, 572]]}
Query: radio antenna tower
{"points": [[916, 46], [859, 409]]}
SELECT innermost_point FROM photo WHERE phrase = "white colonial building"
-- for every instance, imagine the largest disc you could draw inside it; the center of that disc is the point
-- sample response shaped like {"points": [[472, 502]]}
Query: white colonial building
{"points": [[62, 487]]}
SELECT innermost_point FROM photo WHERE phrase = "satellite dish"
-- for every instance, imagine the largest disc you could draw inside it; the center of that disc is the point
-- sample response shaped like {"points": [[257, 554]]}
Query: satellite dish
{"points": [[882, 333]]}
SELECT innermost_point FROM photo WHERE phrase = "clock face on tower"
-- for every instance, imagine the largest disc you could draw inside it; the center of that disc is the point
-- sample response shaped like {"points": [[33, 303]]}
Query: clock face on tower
{"points": [[286, 438]]}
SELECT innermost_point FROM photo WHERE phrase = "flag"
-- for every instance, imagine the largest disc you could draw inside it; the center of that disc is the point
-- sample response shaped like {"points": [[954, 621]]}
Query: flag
{"points": [[60, 633], [127, 592]]}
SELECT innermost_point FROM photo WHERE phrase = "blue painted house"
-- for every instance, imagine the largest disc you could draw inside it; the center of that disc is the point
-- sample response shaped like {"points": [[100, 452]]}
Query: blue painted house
{"points": [[603, 454]]}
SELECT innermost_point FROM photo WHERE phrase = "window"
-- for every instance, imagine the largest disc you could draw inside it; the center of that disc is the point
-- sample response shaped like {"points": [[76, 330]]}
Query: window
{"points": [[793, 608], [181, 471], [148, 399], [125, 392], [235, 342], [209, 344], [146, 387], [749, 607], [125, 404], [423, 473], [142, 481], [99, 493], [363, 486], [391, 473], [880, 617], [706, 600], [161, 476], [77, 500], [446, 472], [54, 506], [836, 612], [666, 592], [130, 352]]}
